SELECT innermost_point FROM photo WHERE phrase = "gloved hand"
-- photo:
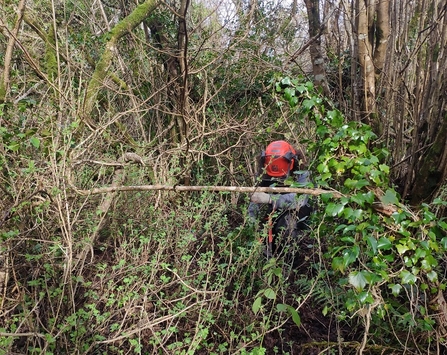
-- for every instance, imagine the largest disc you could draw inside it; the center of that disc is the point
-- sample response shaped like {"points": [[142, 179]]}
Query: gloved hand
{"points": [[260, 197], [288, 201]]}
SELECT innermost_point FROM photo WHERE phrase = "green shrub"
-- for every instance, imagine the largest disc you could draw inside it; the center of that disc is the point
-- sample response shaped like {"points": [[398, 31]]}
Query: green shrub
{"points": [[387, 259]]}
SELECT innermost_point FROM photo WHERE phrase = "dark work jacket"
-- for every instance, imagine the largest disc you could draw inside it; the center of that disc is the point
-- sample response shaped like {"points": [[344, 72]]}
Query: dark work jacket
{"points": [[288, 213]]}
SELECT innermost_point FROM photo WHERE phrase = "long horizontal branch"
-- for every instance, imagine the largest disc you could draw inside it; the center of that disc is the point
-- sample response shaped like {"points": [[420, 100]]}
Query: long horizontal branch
{"points": [[378, 206], [308, 191]]}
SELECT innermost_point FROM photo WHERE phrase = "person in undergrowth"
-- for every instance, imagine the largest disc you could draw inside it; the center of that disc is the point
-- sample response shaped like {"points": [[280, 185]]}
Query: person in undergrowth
{"points": [[286, 214]]}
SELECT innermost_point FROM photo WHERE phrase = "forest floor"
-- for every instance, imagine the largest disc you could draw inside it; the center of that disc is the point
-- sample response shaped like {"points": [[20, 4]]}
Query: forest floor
{"points": [[317, 334]]}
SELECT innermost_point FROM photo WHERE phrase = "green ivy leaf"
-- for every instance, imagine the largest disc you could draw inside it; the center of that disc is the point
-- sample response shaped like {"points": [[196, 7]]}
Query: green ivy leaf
{"points": [[360, 148], [309, 103], [432, 276], [289, 93], [325, 198], [371, 277], [419, 254], [366, 297], [293, 101], [399, 216], [429, 262], [356, 184], [362, 198], [336, 118], [350, 255], [301, 88], [14, 146], [352, 214], [372, 242], [338, 264], [402, 248], [407, 277], [390, 198], [358, 280], [404, 232], [286, 81], [395, 289], [333, 209], [384, 244], [384, 168], [322, 168]]}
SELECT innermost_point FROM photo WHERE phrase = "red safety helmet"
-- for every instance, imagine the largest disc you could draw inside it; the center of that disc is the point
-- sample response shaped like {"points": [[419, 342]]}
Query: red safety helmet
{"points": [[279, 159]]}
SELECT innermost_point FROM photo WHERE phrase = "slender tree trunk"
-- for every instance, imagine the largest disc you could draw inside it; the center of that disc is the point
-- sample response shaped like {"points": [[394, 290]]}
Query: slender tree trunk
{"points": [[373, 29], [382, 34], [102, 67], [182, 42], [365, 48], [4, 76], [316, 54]]}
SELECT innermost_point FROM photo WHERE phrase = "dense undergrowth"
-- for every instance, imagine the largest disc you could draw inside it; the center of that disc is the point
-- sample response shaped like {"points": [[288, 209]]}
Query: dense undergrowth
{"points": [[183, 273]]}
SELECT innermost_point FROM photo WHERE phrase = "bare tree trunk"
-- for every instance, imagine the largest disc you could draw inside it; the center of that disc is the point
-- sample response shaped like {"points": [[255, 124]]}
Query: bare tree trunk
{"points": [[365, 48], [176, 68], [315, 30], [182, 42], [382, 34], [337, 40], [373, 29]]}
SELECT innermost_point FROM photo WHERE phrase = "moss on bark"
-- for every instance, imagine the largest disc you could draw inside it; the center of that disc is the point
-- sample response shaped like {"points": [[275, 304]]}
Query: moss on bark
{"points": [[121, 29]]}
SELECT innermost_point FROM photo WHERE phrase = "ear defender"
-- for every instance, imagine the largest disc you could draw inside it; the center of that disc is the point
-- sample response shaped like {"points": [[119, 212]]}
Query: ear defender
{"points": [[292, 158], [262, 159]]}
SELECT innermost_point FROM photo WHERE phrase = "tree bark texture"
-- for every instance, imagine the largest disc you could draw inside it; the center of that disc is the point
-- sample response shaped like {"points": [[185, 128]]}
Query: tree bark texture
{"points": [[316, 54], [373, 30], [102, 67]]}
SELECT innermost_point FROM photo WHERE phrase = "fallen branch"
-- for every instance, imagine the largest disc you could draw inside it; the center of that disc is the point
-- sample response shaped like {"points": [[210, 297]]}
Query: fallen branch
{"points": [[377, 206], [248, 189]]}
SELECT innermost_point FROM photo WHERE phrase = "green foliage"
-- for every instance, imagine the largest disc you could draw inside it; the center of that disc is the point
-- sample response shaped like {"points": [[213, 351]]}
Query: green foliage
{"points": [[158, 271], [180, 273], [388, 264], [273, 275]]}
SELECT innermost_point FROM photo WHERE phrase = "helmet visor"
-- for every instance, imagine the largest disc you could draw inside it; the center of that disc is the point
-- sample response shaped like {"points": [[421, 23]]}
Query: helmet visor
{"points": [[277, 166]]}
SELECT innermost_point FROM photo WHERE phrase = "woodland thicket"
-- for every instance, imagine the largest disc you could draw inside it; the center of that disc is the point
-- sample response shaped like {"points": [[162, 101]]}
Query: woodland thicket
{"points": [[112, 112]]}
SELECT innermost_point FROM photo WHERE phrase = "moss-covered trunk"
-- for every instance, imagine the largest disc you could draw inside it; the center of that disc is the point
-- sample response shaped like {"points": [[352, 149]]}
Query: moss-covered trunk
{"points": [[120, 30]]}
